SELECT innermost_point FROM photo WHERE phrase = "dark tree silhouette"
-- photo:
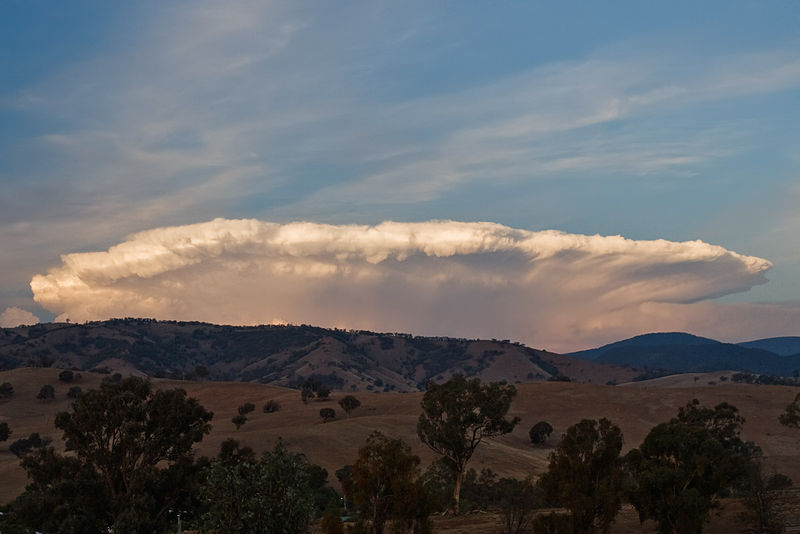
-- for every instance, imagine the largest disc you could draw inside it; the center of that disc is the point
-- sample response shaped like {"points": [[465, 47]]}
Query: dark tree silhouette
{"points": [[585, 475], [349, 403], [540, 432], [327, 414], [458, 415]]}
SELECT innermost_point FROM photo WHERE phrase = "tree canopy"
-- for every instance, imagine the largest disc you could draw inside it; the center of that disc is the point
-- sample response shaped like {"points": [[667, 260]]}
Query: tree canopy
{"points": [[585, 475], [458, 415], [385, 485], [133, 450], [272, 494], [684, 465]]}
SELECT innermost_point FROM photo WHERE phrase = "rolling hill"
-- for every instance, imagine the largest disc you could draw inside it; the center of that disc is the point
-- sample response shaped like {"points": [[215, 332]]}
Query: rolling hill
{"points": [[286, 355], [685, 353]]}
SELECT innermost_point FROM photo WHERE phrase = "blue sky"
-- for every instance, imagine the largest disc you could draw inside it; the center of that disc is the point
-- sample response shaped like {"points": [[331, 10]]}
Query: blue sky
{"points": [[671, 120]]}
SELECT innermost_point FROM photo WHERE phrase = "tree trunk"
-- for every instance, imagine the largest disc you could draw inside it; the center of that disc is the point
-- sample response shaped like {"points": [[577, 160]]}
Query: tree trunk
{"points": [[457, 490]]}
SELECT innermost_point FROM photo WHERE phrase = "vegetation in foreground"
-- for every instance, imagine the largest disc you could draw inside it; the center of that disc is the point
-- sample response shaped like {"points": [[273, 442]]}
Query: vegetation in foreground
{"points": [[129, 467]]}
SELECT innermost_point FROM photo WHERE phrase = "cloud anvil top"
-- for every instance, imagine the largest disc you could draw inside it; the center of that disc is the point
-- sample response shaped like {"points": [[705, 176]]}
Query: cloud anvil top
{"points": [[442, 277]]}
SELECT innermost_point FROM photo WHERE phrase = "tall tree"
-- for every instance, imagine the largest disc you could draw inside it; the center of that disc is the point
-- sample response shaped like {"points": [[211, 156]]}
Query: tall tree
{"points": [[385, 483], [458, 415], [585, 475], [684, 465], [272, 494], [134, 445]]}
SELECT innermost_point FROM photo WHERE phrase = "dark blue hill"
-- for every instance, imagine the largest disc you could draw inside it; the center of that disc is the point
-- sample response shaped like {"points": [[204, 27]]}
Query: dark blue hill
{"points": [[782, 346], [685, 353]]}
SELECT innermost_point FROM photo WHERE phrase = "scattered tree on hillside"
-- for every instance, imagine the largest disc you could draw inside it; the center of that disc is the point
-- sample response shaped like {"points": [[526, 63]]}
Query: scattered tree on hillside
{"points": [[684, 465], [791, 416], [323, 391], [585, 475], [385, 485], [272, 406], [201, 371], [74, 392], [458, 415], [23, 446], [5, 431], [327, 414], [6, 390], [540, 432], [246, 495], [246, 408], [46, 393], [306, 394], [132, 461], [349, 403], [239, 420], [66, 376]]}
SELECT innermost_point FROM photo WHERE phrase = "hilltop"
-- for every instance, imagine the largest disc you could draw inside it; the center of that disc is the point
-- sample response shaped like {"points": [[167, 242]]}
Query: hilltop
{"points": [[286, 355]]}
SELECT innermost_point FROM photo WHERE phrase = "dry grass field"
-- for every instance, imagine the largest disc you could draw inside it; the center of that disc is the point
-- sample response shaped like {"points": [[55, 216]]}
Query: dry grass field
{"points": [[635, 408]]}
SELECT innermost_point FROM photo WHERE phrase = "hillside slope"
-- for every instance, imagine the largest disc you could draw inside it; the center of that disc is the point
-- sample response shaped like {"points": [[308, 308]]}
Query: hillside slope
{"points": [[685, 353], [280, 355]]}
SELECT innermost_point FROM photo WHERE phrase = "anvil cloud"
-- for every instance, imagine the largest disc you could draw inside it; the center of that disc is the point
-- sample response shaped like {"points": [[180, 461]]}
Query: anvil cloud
{"points": [[478, 279]]}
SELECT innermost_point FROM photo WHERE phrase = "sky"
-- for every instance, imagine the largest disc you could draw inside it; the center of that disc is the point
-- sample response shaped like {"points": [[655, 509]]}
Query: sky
{"points": [[563, 174]]}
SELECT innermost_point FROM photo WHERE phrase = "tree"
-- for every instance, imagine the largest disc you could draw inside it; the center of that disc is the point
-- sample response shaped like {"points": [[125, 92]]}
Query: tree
{"points": [[540, 432], [5, 431], [684, 465], [246, 408], [349, 403], [585, 475], [272, 494], [272, 406], [306, 394], [46, 393], [323, 391], [458, 415], [517, 501], [6, 390], [74, 392], [239, 420], [66, 376], [385, 484], [23, 446], [791, 417], [327, 414], [133, 447]]}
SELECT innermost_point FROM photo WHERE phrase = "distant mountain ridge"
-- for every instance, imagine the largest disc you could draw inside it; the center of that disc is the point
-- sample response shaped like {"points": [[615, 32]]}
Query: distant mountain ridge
{"points": [[285, 355], [682, 352]]}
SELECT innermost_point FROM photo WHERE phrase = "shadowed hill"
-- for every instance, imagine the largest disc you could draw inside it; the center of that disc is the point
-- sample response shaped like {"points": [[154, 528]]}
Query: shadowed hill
{"points": [[685, 353], [284, 355]]}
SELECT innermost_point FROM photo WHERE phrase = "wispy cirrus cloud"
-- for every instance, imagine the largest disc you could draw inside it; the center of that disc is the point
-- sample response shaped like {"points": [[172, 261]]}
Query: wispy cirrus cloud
{"points": [[551, 289]]}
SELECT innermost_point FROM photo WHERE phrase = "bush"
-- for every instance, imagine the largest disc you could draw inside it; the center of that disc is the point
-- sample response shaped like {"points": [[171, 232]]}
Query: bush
{"points": [[46, 393], [6, 390], [66, 376], [25, 445], [74, 392], [540, 432], [272, 406], [5, 432], [239, 420], [327, 414], [246, 408]]}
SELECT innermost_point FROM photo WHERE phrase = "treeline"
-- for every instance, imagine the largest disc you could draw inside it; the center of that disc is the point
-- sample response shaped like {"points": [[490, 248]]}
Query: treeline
{"points": [[129, 468]]}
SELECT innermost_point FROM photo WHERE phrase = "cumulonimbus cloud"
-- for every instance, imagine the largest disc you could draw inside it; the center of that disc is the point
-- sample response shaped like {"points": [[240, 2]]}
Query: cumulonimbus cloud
{"points": [[548, 288], [14, 316]]}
